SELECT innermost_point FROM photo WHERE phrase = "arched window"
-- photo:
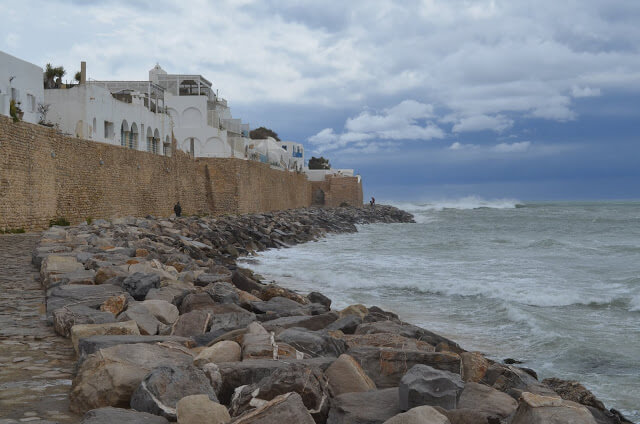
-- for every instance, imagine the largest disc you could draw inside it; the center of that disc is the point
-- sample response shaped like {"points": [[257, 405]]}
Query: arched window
{"points": [[133, 136], [124, 133]]}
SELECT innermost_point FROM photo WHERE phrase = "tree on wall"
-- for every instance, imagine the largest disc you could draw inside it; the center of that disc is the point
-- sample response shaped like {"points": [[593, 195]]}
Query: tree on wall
{"points": [[319, 163], [51, 73], [78, 76], [262, 133]]}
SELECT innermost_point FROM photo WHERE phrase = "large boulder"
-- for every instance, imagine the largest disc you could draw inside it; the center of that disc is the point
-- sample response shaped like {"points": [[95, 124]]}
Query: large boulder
{"points": [[109, 376], [202, 410], [356, 310], [81, 331], [162, 310], [223, 292], [386, 366], [138, 284], [407, 330], [308, 381], [160, 391], [536, 409], [68, 316], [236, 374], [425, 385], [147, 322], [312, 343], [514, 381], [279, 307], [574, 391], [243, 282], [287, 408], [54, 265], [196, 301], [76, 295], [347, 324], [193, 323], [111, 415], [474, 366], [386, 340], [345, 375], [223, 351], [485, 399], [312, 322], [316, 297], [419, 415], [372, 407], [92, 344]]}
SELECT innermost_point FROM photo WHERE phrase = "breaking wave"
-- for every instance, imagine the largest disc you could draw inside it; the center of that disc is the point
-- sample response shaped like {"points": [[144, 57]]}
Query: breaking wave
{"points": [[465, 203]]}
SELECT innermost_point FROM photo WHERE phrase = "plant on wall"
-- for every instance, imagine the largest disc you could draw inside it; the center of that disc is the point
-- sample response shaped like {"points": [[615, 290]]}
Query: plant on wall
{"points": [[51, 73], [15, 111], [43, 109], [78, 76], [319, 163]]}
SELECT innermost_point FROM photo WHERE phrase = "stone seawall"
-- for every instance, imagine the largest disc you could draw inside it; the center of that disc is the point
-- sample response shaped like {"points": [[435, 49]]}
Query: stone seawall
{"points": [[167, 327], [45, 175]]}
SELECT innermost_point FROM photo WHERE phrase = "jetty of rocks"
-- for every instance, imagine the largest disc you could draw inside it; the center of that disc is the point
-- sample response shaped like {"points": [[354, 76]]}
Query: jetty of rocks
{"points": [[167, 327]]}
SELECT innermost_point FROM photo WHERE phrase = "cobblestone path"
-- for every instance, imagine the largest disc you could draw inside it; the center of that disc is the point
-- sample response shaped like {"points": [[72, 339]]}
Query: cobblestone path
{"points": [[36, 365]]}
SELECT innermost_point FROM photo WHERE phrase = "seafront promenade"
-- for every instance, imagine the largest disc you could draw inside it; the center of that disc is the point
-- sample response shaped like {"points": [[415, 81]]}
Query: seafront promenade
{"points": [[35, 363]]}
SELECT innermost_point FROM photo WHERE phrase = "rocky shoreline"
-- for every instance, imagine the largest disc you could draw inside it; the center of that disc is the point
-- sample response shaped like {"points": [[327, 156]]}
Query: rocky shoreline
{"points": [[167, 327]]}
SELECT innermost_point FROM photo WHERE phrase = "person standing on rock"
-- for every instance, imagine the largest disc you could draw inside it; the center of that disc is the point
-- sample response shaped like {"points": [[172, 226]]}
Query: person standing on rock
{"points": [[373, 202], [177, 209]]}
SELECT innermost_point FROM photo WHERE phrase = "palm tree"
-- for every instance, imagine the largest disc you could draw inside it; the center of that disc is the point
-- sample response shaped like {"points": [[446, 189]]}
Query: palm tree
{"points": [[51, 73]]}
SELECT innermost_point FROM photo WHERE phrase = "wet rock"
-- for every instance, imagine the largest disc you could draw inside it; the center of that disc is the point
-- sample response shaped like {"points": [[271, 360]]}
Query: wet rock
{"points": [[111, 415], [223, 351], [161, 389], [345, 375], [424, 385], [536, 409], [316, 297], [202, 410], [485, 399], [574, 391], [386, 366], [81, 331], [287, 408], [373, 407], [312, 343], [66, 317], [109, 376], [138, 284], [419, 415]]}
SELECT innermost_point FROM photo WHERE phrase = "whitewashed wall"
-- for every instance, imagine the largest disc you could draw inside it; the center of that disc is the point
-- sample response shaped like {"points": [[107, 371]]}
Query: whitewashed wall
{"points": [[27, 83]]}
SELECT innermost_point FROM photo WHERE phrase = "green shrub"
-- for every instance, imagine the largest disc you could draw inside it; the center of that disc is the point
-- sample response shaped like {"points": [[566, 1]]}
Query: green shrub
{"points": [[61, 221], [13, 231], [89, 220]]}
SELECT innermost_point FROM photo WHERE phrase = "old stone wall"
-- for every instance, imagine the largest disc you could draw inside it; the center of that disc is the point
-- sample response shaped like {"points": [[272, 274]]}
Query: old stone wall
{"points": [[45, 175], [337, 190]]}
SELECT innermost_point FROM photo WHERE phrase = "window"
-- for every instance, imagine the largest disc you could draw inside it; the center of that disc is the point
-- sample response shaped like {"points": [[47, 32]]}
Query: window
{"points": [[95, 129], [108, 129], [31, 103]]}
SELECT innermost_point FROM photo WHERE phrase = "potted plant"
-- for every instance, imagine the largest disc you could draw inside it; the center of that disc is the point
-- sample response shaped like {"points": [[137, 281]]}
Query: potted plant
{"points": [[15, 111]]}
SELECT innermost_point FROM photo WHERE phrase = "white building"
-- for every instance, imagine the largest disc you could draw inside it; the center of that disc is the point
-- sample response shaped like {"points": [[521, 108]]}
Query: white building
{"points": [[270, 151], [203, 125], [22, 82], [321, 174], [113, 112], [296, 150]]}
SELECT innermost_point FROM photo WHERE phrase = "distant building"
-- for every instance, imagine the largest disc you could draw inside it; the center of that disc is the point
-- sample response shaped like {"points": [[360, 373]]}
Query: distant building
{"points": [[203, 125], [21, 82], [321, 174], [296, 150]]}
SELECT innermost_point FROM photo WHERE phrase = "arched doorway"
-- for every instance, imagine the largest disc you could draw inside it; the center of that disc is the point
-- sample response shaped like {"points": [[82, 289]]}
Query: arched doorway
{"points": [[133, 137], [318, 197]]}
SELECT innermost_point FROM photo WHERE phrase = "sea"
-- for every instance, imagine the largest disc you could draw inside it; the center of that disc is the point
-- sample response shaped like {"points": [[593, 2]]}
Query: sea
{"points": [[555, 285]]}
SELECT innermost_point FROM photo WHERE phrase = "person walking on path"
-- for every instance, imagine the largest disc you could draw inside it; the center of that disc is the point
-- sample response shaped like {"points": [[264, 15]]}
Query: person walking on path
{"points": [[177, 209]]}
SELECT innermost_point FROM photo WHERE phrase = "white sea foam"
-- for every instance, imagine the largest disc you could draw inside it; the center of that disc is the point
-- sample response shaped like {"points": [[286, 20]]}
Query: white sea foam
{"points": [[465, 203]]}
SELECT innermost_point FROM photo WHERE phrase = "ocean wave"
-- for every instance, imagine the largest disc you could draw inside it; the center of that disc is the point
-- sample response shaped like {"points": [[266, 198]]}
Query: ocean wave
{"points": [[465, 203], [634, 303]]}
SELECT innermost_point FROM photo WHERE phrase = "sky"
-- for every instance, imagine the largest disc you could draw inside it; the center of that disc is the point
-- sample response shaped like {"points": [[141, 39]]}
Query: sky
{"points": [[426, 99]]}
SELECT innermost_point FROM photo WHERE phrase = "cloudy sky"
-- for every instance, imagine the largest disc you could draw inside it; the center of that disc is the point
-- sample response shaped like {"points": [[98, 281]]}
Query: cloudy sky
{"points": [[426, 99]]}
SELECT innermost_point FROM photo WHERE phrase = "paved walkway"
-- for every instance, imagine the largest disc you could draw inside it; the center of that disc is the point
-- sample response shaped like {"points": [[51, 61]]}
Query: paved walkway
{"points": [[35, 364]]}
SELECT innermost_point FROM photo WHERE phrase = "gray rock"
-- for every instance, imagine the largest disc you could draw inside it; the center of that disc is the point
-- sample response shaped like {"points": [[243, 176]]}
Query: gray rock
{"points": [[406, 330], [91, 296], [310, 322], [171, 294], [373, 407], [514, 381], [245, 283], [308, 381], [316, 297], [420, 415], [111, 415], [386, 366], [236, 374], [232, 320], [193, 323], [312, 343], [205, 279], [347, 325], [424, 385], [485, 399], [139, 284], [164, 386], [287, 408], [66, 317], [147, 323], [537, 409], [93, 344], [222, 292], [196, 301], [278, 307]]}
